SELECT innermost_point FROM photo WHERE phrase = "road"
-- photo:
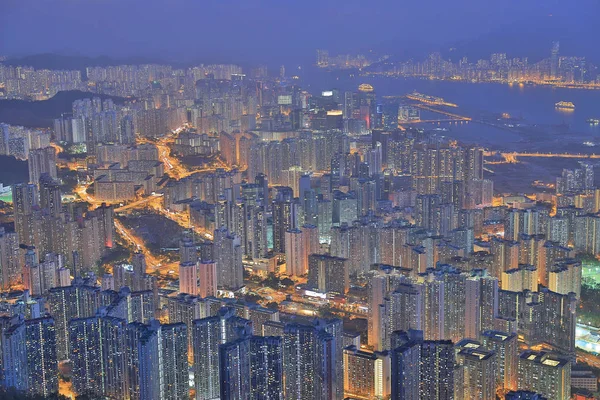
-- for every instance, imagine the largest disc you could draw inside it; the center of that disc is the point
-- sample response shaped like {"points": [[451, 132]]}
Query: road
{"points": [[81, 191], [421, 121], [173, 166], [154, 263], [588, 359], [513, 157], [586, 340], [176, 170], [139, 204], [455, 117], [183, 220]]}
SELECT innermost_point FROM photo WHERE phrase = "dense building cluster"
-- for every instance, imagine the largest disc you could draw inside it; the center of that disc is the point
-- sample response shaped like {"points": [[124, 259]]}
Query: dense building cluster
{"points": [[556, 69], [56, 237], [393, 271], [24, 82], [18, 141]]}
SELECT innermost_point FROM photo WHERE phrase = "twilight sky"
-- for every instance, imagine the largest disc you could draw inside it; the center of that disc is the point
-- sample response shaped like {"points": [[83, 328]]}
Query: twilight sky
{"points": [[290, 30]]}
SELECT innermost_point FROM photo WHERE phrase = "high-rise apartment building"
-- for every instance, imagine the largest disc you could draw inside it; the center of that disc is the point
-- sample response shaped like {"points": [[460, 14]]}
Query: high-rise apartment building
{"points": [[309, 363], [252, 368], [328, 274], [507, 358], [479, 369], [188, 278], [366, 374], [29, 357], [421, 369], [42, 161], [545, 373], [228, 259], [209, 334]]}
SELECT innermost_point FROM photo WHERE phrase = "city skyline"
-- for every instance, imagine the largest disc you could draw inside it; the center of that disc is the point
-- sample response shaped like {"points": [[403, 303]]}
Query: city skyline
{"points": [[468, 25], [378, 226]]}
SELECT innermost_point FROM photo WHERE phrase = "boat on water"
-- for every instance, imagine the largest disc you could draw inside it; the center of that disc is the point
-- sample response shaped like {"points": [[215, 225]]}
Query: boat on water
{"points": [[431, 100], [593, 121], [566, 105]]}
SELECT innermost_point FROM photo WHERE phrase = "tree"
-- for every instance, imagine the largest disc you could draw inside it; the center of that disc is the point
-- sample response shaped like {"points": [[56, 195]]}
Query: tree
{"points": [[252, 298], [287, 282], [271, 281], [326, 311]]}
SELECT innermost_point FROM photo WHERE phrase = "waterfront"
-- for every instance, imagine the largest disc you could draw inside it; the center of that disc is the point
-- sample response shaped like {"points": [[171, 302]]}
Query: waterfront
{"points": [[538, 125]]}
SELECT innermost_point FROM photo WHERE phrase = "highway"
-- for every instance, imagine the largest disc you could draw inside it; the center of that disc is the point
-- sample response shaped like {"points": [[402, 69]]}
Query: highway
{"points": [[512, 157], [421, 121], [176, 170], [509, 157], [154, 263], [173, 166], [455, 117], [139, 204], [588, 345]]}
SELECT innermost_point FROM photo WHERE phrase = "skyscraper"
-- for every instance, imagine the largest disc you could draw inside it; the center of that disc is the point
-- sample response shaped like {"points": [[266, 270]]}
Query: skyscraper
{"points": [[10, 266], [98, 355], [296, 262], [406, 371], [207, 276], [554, 61], [187, 249], [139, 272], [174, 369], [284, 219], [228, 259], [25, 198], [188, 278], [42, 161], [479, 373], [208, 334], [309, 363], [328, 274], [545, 373], [185, 308], [67, 303], [366, 374], [156, 361], [50, 196], [234, 369], [252, 368], [29, 357], [405, 308], [481, 301], [506, 348], [421, 369]]}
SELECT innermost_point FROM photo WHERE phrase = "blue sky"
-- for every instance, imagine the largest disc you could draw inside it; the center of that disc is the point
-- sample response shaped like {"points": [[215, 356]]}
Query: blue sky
{"points": [[289, 30]]}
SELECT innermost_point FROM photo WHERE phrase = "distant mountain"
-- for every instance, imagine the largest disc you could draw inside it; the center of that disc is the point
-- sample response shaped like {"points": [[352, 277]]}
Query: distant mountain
{"points": [[533, 37], [40, 114]]}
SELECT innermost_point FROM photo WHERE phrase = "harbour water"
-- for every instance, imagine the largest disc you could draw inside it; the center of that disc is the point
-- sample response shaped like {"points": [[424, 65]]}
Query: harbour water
{"points": [[534, 123]]}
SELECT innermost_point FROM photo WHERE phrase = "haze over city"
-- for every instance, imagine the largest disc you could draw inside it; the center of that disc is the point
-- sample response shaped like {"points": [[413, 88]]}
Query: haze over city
{"points": [[282, 200], [288, 31]]}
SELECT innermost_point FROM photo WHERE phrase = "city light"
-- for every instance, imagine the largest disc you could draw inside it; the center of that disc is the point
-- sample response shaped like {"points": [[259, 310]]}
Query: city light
{"points": [[423, 228]]}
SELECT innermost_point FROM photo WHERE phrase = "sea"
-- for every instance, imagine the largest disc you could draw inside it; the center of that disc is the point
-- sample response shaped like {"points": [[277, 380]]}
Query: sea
{"points": [[504, 117]]}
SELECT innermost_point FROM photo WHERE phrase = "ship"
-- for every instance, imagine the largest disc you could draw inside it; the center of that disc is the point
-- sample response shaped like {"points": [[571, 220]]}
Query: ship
{"points": [[593, 121], [431, 100], [567, 105]]}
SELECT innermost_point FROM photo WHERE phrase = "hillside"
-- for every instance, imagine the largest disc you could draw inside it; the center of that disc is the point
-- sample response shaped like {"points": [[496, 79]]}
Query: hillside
{"points": [[40, 114], [58, 61], [13, 171]]}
